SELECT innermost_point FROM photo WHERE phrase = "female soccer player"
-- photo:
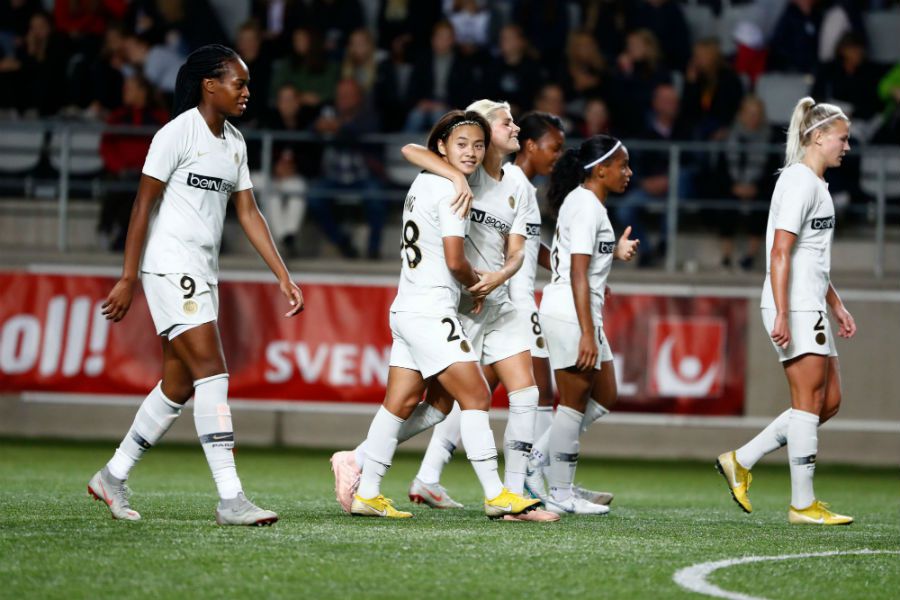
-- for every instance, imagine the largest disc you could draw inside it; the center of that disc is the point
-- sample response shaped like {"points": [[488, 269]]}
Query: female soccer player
{"points": [[571, 314], [430, 342], [795, 298], [195, 163], [495, 244]]}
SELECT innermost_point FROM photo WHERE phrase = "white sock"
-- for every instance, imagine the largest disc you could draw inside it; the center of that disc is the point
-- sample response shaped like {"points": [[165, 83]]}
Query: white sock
{"points": [[519, 437], [592, 412], [563, 451], [443, 442], [425, 416], [540, 451], [543, 418], [773, 437], [381, 443], [481, 450], [152, 421], [802, 443], [212, 418]]}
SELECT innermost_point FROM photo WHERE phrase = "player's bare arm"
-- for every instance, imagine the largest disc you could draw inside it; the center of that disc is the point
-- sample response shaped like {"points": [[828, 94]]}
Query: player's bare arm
{"points": [[424, 158], [781, 269], [587, 345]]}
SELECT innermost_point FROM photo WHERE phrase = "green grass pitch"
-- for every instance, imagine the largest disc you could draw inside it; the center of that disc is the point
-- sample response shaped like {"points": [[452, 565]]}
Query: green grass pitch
{"points": [[56, 543]]}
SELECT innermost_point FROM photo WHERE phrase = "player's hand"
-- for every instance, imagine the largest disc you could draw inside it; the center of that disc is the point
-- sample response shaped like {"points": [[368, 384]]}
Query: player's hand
{"points": [[846, 324], [477, 305], [781, 332], [463, 201], [607, 294], [587, 352], [295, 297], [487, 283], [119, 300], [625, 248]]}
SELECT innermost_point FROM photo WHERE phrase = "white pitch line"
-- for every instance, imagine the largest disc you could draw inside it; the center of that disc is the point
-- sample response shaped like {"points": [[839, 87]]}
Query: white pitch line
{"points": [[693, 578]]}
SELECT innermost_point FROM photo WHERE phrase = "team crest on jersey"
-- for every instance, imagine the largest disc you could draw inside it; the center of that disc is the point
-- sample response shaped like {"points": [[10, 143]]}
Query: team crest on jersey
{"points": [[237, 160], [825, 223], [512, 202], [205, 182], [540, 341], [464, 346], [480, 216], [607, 247]]}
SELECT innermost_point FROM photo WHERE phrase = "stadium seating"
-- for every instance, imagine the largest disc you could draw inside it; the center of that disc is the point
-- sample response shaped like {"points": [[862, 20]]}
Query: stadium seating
{"points": [[780, 92], [883, 28]]}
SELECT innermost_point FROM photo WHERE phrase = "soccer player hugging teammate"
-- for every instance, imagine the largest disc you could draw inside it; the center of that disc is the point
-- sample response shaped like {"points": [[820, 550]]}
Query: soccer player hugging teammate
{"points": [[195, 163], [584, 246], [431, 349], [795, 299]]}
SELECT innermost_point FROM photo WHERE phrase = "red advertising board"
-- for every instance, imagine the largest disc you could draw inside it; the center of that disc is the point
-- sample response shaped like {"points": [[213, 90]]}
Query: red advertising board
{"points": [[672, 354]]}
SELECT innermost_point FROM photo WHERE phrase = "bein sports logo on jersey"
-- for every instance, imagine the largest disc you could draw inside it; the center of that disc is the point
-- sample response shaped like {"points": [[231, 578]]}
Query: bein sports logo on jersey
{"points": [[820, 224], [213, 184], [533, 229], [480, 216], [687, 357], [606, 247]]}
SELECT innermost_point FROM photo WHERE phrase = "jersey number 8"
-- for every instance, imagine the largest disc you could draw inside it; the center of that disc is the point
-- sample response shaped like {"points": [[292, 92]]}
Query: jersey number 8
{"points": [[412, 252]]}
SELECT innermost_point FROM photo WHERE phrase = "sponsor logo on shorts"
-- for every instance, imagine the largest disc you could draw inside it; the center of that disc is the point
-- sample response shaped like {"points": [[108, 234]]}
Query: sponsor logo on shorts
{"points": [[480, 216], [607, 247], [824, 223], [205, 182], [190, 307], [533, 229]]}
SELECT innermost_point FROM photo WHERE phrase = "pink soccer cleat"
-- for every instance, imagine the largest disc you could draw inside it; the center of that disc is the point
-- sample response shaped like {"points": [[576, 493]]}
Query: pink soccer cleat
{"points": [[346, 477]]}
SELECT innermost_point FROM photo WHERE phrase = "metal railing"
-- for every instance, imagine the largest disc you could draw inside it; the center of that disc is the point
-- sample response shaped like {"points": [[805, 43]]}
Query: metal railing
{"points": [[875, 210]]}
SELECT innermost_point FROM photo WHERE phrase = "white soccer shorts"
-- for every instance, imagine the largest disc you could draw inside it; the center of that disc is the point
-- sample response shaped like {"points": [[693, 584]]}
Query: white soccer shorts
{"points": [[810, 333], [428, 343], [562, 341], [179, 299], [496, 332]]}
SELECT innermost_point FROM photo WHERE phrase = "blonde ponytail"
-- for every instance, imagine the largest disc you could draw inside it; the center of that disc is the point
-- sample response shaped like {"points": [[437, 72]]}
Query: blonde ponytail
{"points": [[806, 118]]}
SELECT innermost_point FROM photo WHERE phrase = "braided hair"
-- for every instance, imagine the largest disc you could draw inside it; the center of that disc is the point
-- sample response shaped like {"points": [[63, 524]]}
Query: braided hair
{"points": [[206, 62]]}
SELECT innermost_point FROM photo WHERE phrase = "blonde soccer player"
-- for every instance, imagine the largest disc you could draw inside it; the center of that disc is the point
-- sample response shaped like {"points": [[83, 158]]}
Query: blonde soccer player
{"points": [[196, 163], [431, 347], [584, 246], [796, 300]]}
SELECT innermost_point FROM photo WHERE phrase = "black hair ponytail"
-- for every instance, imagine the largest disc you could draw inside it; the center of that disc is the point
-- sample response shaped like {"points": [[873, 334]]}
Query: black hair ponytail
{"points": [[206, 62], [573, 166]]}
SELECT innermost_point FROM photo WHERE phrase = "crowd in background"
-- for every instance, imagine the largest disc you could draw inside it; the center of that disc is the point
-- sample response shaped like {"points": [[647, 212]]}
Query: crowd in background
{"points": [[344, 68]]}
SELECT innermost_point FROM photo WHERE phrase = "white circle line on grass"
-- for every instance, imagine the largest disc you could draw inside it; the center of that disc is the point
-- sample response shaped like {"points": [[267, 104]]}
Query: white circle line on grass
{"points": [[693, 578]]}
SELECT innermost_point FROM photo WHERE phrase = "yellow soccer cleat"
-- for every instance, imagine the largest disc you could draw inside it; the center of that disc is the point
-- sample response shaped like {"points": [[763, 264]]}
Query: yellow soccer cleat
{"points": [[738, 479], [508, 503], [817, 513], [379, 506]]}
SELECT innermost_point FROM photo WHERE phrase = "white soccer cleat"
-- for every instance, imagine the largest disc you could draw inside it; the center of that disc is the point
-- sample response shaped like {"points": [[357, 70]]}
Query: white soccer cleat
{"points": [[604, 498], [103, 486], [240, 511], [346, 477], [573, 505], [433, 495]]}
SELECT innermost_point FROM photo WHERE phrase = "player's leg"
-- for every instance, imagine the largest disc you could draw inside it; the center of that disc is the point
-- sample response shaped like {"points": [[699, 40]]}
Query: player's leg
{"points": [[199, 348], [809, 377], [426, 487], [604, 395], [543, 418], [516, 375], [404, 391], [157, 413], [466, 383]]}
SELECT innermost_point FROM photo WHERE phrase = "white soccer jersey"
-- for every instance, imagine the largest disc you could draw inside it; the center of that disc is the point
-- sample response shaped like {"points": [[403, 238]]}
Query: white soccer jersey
{"points": [[802, 205], [498, 210], [583, 227], [521, 285], [200, 171], [426, 284]]}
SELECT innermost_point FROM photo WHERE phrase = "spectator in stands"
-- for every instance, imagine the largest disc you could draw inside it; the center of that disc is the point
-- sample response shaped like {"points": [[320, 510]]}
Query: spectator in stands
{"points": [[158, 62], [348, 166], [794, 46], [123, 156], [596, 119], [751, 53], [850, 80], [666, 20], [392, 85], [361, 60], [183, 25], [638, 72], [334, 20], [256, 53], [412, 19], [471, 20], [29, 81], [585, 73], [841, 18], [283, 194], [889, 92], [15, 15], [552, 99], [712, 92], [546, 26], [651, 168], [307, 68], [441, 80], [606, 20], [513, 74], [748, 169], [105, 74]]}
